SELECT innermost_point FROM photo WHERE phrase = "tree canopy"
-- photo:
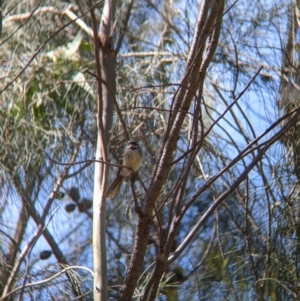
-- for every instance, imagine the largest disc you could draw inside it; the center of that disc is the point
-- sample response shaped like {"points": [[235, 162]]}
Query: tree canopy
{"points": [[209, 91]]}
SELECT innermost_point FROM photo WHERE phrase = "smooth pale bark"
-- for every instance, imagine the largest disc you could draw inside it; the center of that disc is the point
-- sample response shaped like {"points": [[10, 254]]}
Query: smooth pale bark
{"points": [[105, 59]]}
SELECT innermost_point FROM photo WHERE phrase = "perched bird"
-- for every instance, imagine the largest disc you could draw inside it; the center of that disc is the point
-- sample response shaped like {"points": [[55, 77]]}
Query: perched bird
{"points": [[132, 158]]}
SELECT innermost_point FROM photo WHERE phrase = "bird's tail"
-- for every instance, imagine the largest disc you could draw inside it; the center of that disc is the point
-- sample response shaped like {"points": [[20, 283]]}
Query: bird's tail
{"points": [[114, 188]]}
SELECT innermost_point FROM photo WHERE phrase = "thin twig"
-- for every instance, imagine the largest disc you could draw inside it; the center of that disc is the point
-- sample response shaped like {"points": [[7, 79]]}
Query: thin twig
{"points": [[220, 199], [136, 204], [126, 132], [30, 60], [26, 250], [46, 280], [89, 161]]}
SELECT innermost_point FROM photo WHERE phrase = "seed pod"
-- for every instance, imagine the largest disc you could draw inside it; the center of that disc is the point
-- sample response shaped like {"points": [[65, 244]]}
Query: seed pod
{"points": [[70, 207], [85, 205], [59, 195], [45, 254], [74, 194]]}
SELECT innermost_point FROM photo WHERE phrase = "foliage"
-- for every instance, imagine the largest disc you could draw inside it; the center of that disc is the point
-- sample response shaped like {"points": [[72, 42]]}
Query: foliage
{"points": [[247, 248]]}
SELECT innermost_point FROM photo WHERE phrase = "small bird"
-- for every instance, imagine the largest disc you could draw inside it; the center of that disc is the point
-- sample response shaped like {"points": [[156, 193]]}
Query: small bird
{"points": [[132, 158]]}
